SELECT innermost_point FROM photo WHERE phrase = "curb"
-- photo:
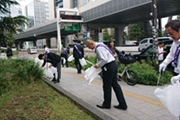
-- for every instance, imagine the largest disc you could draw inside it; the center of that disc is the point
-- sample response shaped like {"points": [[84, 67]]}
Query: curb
{"points": [[93, 110]]}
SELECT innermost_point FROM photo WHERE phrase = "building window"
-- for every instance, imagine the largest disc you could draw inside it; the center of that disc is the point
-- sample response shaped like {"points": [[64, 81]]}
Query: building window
{"points": [[75, 3], [85, 2]]}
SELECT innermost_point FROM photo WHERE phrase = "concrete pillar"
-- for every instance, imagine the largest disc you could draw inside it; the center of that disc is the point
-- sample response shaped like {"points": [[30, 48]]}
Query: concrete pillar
{"points": [[160, 26], [48, 42], [119, 35], [96, 35], [34, 42]]}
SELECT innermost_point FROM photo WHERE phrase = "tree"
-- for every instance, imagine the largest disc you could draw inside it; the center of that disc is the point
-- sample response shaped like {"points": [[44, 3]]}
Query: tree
{"points": [[9, 26], [106, 35], [136, 31]]}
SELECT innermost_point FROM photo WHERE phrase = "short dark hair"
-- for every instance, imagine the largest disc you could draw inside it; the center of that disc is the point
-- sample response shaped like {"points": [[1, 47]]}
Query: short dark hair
{"points": [[174, 24], [40, 56]]}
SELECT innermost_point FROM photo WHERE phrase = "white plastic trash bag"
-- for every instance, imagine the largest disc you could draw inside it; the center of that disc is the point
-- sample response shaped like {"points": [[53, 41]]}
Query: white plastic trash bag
{"points": [[49, 74], [54, 71], [63, 61], [170, 97], [70, 58], [82, 61], [91, 73]]}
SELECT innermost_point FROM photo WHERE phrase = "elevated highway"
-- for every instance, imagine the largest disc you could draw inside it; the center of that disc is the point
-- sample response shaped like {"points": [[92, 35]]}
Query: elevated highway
{"points": [[110, 13]]}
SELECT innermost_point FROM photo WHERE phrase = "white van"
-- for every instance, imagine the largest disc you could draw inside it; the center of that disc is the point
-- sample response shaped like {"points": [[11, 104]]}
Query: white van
{"points": [[143, 44], [146, 42]]}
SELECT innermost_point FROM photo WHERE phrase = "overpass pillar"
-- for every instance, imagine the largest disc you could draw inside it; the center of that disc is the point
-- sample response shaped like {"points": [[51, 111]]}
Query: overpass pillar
{"points": [[34, 42], [119, 35], [96, 35], [48, 42]]}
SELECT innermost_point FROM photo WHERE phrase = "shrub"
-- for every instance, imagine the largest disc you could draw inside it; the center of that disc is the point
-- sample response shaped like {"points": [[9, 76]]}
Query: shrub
{"points": [[91, 59], [147, 74], [18, 72]]}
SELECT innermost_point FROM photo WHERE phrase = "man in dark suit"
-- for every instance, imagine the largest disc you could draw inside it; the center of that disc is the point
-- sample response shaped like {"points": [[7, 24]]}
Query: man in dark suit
{"points": [[55, 60], [78, 53], [106, 61], [65, 54]]}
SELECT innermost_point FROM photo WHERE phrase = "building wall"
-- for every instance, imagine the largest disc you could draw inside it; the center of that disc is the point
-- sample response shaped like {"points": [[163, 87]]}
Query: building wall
{"points": [[52, 9], [90, 4]]}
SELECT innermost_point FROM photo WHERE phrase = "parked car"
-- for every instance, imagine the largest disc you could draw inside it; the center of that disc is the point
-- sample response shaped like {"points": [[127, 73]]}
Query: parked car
{"points": [[148, 52], [143, 44], [32, 50]]}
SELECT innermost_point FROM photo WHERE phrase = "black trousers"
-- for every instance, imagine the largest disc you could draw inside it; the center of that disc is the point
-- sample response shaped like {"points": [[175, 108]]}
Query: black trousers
{"points": [[110, 80], [66, 58], [78, 65], [59, 71]]}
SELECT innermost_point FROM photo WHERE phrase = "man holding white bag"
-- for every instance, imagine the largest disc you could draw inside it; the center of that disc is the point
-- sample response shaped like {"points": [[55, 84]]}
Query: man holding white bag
{"points": [[173, 29], [106, 62], [78, 53]]}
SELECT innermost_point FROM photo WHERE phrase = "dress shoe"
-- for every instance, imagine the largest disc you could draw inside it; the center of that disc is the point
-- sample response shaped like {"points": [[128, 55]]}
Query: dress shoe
{"points": [[103, 107], [120, 107], [56, 81]]}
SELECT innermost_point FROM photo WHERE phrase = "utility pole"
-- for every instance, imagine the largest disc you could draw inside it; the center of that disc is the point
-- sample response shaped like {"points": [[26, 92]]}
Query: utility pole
{"points": [[154, 25]]}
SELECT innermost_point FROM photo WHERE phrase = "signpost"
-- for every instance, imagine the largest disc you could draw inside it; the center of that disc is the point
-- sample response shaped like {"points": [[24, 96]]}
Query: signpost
{"points": [[66, 16], [70, 19]]}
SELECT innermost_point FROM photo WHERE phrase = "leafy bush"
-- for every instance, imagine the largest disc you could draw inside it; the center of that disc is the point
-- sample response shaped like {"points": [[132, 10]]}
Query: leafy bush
{"points": [[147, 74], [91, 59], [18, 72]]}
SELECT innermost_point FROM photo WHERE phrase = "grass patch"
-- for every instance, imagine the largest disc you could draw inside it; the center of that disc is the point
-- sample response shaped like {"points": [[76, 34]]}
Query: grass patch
{"points": [[39, 101]]}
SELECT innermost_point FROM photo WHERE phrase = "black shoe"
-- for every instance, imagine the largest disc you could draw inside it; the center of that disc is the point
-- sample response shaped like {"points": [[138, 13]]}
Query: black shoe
{"points": [[54, 79], [57, 81], [103, 107], [120, 107]]}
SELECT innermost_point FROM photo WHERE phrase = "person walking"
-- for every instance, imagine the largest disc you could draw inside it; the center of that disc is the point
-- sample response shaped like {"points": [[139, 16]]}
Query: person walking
{"points": [[55, 60], [106, 61], [161, 52], [173, 29], [78, 53], [64, 55], [9, 52]]}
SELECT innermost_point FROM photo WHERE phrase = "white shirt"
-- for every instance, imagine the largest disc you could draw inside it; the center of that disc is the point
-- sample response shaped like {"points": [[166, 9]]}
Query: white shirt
{"points": [[47, 50], [160, 53], [170, 56], [104, 56]]}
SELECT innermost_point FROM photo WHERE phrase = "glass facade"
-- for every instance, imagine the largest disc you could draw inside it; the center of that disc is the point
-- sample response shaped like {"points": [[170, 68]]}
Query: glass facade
{"points": [[85, 2], [75, 3], [59, 3], [30, 14]]}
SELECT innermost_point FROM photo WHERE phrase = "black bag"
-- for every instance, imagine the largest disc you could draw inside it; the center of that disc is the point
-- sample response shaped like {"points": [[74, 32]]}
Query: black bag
{"points": [[127, 59]]}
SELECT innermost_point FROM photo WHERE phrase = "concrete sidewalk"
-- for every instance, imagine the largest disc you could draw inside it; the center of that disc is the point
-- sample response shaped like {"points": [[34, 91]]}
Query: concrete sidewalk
{"points": [[141, 101]]}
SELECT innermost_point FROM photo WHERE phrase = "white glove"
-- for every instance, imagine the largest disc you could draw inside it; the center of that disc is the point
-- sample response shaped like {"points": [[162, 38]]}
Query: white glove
{"points": [[162, 67], [175, 79]]}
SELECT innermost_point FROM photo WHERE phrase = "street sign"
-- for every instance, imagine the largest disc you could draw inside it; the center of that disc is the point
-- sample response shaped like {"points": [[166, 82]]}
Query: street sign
{"points": [[73, 28]]}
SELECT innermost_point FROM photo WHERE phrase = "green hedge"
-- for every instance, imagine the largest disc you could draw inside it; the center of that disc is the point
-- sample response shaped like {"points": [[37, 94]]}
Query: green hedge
{"points": [[146, 71], [147, 74], [17, 72]]}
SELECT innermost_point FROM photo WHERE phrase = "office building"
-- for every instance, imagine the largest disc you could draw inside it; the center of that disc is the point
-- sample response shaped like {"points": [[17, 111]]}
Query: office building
{"points": [[37, 12]]}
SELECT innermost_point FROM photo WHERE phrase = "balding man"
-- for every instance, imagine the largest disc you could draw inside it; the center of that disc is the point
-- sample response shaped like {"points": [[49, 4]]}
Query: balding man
{"points": [[173, 29], [106, 61]]}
